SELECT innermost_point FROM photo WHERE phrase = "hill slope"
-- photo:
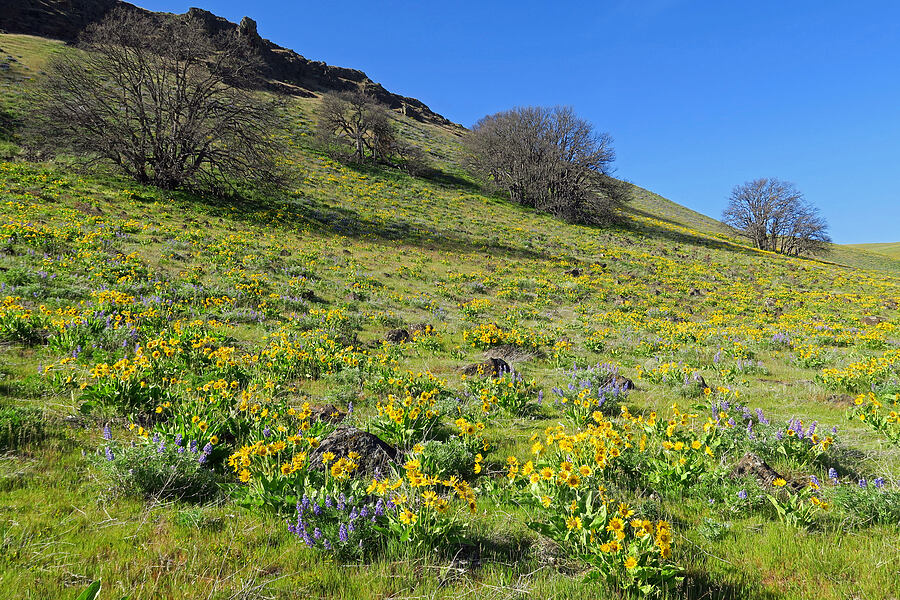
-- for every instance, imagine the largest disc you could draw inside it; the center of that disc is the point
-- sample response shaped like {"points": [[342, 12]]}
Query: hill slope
{"points": [[887, 249], [163, 356], [286, 70]]}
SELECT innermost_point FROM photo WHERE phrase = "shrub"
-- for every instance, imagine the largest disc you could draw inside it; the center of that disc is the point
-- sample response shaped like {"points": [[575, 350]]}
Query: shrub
{"points": [[158, 470]]}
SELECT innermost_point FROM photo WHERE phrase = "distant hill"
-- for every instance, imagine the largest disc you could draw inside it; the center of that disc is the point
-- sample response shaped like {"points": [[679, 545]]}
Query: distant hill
{"points": [[891, 249], [23, 56], [284, 69]]}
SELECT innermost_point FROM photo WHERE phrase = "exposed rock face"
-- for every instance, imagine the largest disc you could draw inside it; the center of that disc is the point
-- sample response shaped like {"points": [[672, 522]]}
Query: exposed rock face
{"points": [[285, 69], [872, 320], [751, 464], [327, 414], [492, 367], [617, 382], [396, 336], [375, 455]]}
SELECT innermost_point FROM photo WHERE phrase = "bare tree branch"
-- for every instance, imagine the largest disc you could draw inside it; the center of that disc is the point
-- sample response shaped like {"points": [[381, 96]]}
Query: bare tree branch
{"points": [[774, 215], [163, 102]]}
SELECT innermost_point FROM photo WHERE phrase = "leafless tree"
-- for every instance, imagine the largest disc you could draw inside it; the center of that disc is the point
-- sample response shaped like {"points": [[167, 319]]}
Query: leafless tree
{"points": [[775, 216], [548, 159], [164, 102], [356, 121]]}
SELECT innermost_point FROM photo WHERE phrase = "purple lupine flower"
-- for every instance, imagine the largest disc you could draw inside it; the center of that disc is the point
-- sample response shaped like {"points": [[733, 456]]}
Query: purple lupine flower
{"points": [[207, 449], [814, 480], [731, 422], [155, 438], [742, 494], [342, 533], [178, 439], [107, 433], [833, 474], [317, 509], [161, 448], [326, 544], [267, 432], [863, 483], [109, 454], [762, 419], [308, 540], [779, 435], [379, 507], [317, 533], [540, 397], [878, 482], [193, 446], [328, 502]]}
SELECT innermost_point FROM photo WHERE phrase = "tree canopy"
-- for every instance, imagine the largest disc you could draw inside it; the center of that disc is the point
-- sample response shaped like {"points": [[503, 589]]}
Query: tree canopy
{"points": [[548, 159], [164, 102], [775, 216]]}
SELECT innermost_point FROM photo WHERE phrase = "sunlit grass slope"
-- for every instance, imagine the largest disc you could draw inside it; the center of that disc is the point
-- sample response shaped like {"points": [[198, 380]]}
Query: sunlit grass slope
{"points": [[888, 249], [94, 266]]}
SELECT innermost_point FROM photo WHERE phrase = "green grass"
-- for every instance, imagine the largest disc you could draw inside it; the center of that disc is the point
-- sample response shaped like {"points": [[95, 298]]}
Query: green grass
{"points": [[888, 249], [384, 249]]}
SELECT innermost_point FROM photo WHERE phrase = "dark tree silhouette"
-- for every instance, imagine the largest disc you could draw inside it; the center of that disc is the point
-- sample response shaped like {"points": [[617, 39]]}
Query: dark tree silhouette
{"points": [[164, 102], [548, 159], [774, 215]]}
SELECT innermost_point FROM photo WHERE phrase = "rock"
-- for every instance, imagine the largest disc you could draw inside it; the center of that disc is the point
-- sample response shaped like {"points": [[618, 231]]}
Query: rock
{"points": [[697, 379], [872, 320], [282, 69], [695, 292], [396, 336], [375, 455], [84, 207], [574, 272], [247, 30], [890, 304], [421, 328], [751, 464], [614, 381], [492, 367], [327, 414]]}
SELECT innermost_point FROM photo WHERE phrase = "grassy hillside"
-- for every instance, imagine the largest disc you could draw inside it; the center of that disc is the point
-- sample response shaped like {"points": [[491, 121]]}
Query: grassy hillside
{"points": [[887, 249], [138, 324]]}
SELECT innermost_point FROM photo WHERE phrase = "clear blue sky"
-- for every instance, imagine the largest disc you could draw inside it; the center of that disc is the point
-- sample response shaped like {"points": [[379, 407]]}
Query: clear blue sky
{"points": [[698, 95]]}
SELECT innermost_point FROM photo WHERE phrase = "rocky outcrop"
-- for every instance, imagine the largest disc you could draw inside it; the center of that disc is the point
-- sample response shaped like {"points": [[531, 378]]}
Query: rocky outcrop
{"points": [[492, 367], [283, 68], [372, 455]]}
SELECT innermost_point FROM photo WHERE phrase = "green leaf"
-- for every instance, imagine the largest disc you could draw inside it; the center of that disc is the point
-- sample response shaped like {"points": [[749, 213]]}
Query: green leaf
{"points": [[91, 592]]}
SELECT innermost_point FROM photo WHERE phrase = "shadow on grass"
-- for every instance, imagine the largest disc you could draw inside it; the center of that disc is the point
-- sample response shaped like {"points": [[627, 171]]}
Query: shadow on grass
{"points": [[700, 586], [350, 222], [682, 237]]}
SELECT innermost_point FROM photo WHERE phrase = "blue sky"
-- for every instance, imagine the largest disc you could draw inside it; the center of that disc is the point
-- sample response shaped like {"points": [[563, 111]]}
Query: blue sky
{"points": [[699, 95]]}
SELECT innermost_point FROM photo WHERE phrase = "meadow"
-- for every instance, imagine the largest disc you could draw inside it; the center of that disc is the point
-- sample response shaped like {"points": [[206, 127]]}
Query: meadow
{"points": [[172, 367]]}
